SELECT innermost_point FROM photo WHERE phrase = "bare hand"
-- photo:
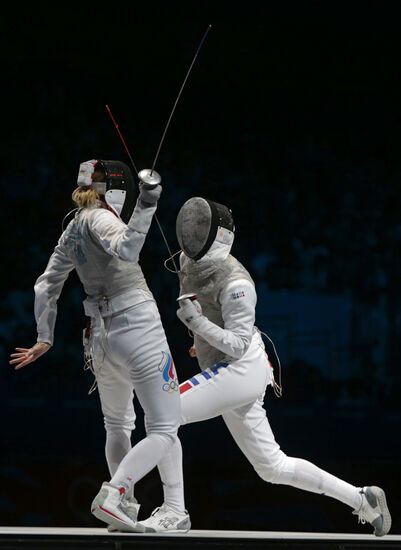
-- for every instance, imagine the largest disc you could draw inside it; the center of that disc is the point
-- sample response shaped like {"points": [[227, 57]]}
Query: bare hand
{"points": [[192, 351], [24, 356]]}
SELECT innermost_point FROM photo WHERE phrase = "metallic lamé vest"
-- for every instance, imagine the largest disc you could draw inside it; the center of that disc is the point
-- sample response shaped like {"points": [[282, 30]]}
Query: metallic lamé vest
{"points": [[101, 274], [207, 280]]}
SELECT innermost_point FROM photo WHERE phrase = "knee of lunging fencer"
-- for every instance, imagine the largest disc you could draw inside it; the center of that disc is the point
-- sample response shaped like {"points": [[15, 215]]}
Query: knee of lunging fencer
{"points": [[280, 470]]}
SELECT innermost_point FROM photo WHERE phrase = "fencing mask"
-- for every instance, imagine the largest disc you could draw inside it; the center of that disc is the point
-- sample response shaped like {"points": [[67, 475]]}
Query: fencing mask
{"points": [[200, 223], [118, 186]]}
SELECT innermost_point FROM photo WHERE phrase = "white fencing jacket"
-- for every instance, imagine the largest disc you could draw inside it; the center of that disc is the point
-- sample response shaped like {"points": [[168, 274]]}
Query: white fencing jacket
{"points": [[105, 252]]}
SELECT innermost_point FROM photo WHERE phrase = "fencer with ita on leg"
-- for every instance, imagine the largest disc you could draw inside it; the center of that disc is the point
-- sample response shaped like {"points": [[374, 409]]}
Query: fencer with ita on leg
{"points": [[235, 369], [127, 341]]}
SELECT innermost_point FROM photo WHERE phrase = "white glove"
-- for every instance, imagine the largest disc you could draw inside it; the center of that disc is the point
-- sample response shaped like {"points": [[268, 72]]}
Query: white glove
{"points": [[149, 195], [189, 312], [86, 170]]}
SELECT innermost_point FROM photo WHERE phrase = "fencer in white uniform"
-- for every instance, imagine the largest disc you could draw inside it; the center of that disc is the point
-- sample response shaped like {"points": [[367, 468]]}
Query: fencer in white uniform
{"points": [[127, 340], [235, 369]]}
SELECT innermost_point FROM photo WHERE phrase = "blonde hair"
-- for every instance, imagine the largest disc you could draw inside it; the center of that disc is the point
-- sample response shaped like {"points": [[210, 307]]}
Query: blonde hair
{"points": [[84, 197]]}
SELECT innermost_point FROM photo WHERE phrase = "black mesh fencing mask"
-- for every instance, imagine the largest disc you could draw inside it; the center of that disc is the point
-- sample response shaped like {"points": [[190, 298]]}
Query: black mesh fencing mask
{"points": [[197, 225]]}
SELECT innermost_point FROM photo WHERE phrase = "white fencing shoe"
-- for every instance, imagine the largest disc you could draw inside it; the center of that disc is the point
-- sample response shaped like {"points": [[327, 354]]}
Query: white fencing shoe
{"points": [[108, 506], [374, 510], [165, 519]]}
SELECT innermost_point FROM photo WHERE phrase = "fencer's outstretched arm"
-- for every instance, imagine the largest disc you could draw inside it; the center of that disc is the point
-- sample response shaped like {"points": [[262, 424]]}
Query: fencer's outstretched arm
{"points": [[238, 302], [125, 241], [48, 288]]}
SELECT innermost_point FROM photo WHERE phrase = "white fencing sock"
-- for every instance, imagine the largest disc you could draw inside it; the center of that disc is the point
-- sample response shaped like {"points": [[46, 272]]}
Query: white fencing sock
{"points": [[170, 470], [305, 475]]}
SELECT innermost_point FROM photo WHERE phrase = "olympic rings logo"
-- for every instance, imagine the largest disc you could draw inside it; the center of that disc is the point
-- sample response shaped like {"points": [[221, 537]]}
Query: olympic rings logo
{"points": [[171, 386], [166, 367]]}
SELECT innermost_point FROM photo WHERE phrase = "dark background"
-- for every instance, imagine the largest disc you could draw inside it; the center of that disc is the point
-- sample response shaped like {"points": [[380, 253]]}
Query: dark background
{"points": [[291, 117]]}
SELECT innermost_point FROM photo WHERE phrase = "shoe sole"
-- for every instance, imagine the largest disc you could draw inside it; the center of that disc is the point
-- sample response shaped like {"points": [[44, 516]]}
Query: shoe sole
{"points": [[152, 530], [380, 495]]}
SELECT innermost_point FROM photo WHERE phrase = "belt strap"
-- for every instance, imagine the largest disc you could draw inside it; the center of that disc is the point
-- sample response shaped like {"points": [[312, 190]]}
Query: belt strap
{"points": [[108, 306]]}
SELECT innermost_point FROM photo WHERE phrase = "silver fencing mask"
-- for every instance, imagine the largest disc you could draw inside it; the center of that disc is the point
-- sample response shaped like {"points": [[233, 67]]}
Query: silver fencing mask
{"points": [[199, 223]]}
